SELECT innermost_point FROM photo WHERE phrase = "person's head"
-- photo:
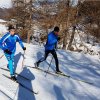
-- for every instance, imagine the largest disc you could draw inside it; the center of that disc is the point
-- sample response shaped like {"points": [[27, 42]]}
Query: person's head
{"points": [[11, 29], [56, 30]]}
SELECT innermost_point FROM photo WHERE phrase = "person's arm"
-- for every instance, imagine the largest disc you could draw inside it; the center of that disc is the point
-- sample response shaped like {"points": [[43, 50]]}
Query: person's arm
{"points": [[56, 46], [3, 45], [20, 42]]}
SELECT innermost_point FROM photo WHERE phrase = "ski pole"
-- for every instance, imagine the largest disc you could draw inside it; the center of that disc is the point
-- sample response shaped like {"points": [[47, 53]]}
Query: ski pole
{"points": [[1, 56], [49, 66], [23, 59]]}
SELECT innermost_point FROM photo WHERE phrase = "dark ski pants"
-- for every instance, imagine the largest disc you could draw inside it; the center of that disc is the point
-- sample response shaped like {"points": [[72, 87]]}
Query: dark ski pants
{"points": [[53, 52]]}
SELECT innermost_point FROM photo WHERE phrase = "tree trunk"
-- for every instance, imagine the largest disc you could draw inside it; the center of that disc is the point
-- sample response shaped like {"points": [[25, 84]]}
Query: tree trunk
{"points": [[66, 30], [65, 40], [72, 38], [28, 36], [73, 32]]}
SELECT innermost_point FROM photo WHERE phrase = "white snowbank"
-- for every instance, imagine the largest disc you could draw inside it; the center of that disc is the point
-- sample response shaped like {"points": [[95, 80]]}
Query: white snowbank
{"points": [[3, 30], [5, 3]]}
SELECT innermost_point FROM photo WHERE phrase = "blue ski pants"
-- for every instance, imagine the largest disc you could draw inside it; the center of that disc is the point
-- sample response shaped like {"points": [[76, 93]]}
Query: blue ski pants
{"points": [[10, 59]]}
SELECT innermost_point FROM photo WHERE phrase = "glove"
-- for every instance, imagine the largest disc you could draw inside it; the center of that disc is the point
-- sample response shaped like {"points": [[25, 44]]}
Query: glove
{"points": [[8, 51], [58, 39], [24, 48]]}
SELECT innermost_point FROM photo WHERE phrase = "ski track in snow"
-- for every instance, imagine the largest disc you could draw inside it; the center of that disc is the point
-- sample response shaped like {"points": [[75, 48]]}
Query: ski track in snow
{"points": [[77, 65]]}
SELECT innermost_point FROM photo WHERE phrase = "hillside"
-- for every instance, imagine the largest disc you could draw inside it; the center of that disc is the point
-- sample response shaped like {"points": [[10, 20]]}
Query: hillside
{"points": [[51, 87]]}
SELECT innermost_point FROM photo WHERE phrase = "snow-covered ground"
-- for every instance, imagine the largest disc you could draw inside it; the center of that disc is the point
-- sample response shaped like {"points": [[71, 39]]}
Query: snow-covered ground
{"points": [[77, 65], [5, 3]]}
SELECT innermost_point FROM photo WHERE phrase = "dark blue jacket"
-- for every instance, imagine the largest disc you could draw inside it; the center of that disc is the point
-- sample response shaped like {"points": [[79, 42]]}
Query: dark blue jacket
{"points": [[51, 41], [8, 41]]}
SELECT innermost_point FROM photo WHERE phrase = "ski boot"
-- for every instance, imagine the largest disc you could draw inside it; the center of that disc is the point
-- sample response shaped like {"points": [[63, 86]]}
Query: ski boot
{"points": [[13, 78], [58, 72]]}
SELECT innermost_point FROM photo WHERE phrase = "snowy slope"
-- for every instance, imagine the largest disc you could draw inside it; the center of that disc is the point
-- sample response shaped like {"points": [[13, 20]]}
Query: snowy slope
{"points": [[78, 65], [5, 3]]}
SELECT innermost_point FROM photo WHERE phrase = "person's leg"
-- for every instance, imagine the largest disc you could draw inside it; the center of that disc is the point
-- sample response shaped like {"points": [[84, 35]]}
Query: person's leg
{"points": [[53, 52], [12, 57], [10, 63], [43, 59]]}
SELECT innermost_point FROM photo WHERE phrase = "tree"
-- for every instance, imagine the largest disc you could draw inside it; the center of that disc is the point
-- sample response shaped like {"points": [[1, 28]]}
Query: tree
{"points": [[90, 15], [24, 11]]}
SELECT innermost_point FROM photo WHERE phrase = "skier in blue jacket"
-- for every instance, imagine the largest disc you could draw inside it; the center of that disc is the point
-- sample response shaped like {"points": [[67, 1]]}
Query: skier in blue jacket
{"points": [[8, 45], [50, 47]]}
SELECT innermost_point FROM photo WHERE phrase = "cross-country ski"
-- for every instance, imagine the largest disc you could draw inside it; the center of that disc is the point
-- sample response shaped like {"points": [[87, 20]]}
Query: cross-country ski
{"points": [[21, 84]]}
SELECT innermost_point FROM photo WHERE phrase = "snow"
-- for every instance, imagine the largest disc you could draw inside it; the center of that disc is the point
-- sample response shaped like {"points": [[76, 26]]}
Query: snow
{"points": [[3, 28], [5, 3], [78, 65], [1, 20]]}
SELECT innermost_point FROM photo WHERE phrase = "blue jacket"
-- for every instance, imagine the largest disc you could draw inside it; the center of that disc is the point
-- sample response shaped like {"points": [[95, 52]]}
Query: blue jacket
{"points": [[51, 41], [8, 41]]}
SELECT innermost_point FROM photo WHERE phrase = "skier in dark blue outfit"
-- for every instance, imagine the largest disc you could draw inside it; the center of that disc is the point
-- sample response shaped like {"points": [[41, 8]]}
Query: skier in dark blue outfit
{"points": [[8, 45], [50, 47]]}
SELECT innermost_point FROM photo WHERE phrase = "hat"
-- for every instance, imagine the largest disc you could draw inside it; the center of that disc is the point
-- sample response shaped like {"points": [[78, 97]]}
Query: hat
{"points": [[56, 29]]}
